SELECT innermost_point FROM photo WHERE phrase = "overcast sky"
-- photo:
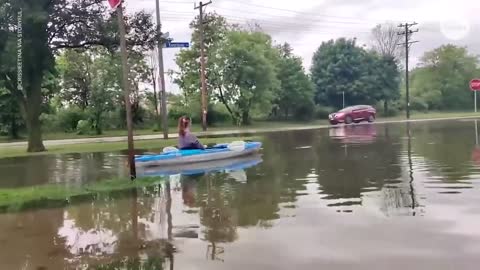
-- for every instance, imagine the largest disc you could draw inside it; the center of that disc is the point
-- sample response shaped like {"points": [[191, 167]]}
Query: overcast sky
{"points": [[306, 23]]}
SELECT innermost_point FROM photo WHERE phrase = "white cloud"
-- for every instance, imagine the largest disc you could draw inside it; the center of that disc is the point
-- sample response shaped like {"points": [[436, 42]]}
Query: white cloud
{"points": [[306, 23]]}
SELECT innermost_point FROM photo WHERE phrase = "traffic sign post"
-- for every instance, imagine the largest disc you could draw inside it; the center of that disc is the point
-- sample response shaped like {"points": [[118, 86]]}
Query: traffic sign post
{"points": [[475, 86]]}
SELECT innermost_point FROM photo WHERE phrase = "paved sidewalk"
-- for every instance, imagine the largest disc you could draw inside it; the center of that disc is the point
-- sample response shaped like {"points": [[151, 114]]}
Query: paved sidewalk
{"points": [[209, 133]]}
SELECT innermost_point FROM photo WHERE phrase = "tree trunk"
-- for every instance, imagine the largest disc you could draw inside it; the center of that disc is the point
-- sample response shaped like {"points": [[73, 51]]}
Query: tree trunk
{"points": [[385, 107], [224, 101], [98, 126], [13, 129], [31, 111], [245, 118], [35, 142]]}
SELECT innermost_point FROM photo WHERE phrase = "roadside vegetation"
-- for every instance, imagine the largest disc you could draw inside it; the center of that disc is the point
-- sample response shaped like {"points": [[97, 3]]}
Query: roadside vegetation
{"points": [[17, 199], [73, 88], [141, 146]]}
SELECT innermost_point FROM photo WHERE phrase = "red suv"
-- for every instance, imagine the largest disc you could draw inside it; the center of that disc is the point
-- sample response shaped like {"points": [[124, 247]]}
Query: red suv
{"points": [[353, 114]]}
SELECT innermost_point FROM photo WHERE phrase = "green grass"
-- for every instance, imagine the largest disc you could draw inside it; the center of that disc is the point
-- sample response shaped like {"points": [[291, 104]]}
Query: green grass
{"points": [[429, 115], [149, 145], [228, 127], [16, 199]]}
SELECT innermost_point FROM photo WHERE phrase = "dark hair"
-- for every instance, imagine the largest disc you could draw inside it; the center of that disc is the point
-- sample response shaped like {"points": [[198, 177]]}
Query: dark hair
{"points": [[183, 124]]}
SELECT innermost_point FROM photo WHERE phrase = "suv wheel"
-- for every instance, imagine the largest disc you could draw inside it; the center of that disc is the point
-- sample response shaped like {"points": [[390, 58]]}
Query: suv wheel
{"points": [[371, 118]]}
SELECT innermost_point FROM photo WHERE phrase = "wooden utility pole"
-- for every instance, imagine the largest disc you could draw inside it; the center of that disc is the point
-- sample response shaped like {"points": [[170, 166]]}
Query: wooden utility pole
{"points": [[202, 64], [161, 74], [407, 32], [153, 71], [126, 89]]}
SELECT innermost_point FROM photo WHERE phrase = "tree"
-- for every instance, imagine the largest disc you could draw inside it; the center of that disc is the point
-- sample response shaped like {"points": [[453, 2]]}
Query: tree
{"points": [[295, 95], [49, 25], [76, 69], [10, 118], [386, 39], [188, 76], [364, 76], [91, 81], [390, 78], [340, 66], [235, 85], [443, 76], [248, 78]]}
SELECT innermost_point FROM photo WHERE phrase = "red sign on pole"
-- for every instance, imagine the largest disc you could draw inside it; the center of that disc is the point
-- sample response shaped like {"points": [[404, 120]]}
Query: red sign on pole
{"points": [[475, 85], [114, 3]]}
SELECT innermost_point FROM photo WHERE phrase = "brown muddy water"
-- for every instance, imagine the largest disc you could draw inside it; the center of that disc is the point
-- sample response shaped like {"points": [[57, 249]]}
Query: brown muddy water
{"points": [[392, 196]]}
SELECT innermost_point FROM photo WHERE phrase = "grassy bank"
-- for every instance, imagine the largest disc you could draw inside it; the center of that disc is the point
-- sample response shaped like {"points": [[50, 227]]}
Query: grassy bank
{"points": [[254, 125], [146, 145], [17, 199]]}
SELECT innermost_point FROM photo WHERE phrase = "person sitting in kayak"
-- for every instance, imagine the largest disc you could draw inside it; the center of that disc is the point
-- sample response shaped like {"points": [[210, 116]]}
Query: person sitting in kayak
{"points": [[186, 140]]}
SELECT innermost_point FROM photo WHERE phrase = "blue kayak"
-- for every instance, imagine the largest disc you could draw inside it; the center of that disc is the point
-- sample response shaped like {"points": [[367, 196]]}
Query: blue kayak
{"points": [[217, 152]]}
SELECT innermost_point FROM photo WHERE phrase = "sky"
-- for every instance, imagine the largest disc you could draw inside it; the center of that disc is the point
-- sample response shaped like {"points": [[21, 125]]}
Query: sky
{"points": [[305, 24]]}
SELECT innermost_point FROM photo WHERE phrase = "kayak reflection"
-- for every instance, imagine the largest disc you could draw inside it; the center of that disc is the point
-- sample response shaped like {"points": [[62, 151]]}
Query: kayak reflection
{"points": [[233, 166]]}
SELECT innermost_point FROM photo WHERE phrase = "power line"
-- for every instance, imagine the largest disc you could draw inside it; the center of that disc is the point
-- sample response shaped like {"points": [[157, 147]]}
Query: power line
{"points": [[311, 18], [299, 12], [184, 15], [407, 32]]}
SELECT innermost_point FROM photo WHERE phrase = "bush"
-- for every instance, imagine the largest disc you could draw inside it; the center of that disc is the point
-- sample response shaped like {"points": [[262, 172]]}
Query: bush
{"points": [[394, 108], [322, 112], [418, 104], [67, 119], [50, 122], [84, 127], [305, 112], [217, 113]]}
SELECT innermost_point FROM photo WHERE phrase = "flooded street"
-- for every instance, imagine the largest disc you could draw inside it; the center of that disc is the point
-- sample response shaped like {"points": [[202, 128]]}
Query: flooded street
{"points": [[396, 196]]}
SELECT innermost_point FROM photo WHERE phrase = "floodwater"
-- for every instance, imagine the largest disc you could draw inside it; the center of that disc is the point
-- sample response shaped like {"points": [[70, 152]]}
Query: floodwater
{"points": [[391, 196]]}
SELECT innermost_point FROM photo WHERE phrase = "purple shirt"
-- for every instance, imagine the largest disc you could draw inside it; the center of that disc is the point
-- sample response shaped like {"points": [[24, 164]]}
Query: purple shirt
{"points": [[189, 141]]}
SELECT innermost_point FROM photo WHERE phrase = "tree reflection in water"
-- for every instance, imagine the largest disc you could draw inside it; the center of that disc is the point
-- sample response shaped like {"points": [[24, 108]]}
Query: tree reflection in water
{"points": [[102, 235]]}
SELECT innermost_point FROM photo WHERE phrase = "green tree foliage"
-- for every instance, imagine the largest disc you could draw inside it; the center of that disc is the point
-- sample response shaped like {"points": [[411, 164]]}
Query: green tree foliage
{"points": [[387, 77], [10, 118], [188, 76], [91, 81], [249, 79], [49, 25], [245, 72], [441, 81], [365, 76], [295, 96]]}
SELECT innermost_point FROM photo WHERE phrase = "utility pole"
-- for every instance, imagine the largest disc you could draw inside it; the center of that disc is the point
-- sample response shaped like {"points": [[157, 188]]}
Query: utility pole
{"points": [[161, 75], [202, 65], [126, 87], [407, 32]]}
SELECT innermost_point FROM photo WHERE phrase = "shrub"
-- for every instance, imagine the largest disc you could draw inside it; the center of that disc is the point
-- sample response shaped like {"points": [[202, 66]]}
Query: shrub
{"points": [[418, 104], [322, 112], [217, 113], [67, 119], [305, 112], [84, 127]]}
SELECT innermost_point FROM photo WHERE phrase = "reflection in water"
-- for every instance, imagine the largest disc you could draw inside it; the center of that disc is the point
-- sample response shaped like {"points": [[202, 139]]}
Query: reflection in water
{"points": [[410, 169], [65, 169], [313, 199]]}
